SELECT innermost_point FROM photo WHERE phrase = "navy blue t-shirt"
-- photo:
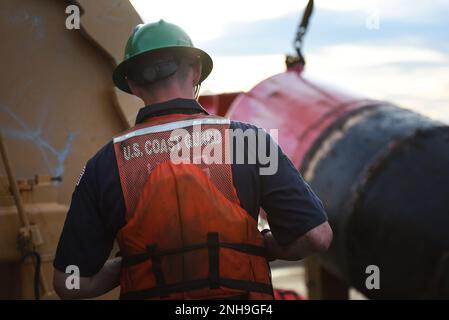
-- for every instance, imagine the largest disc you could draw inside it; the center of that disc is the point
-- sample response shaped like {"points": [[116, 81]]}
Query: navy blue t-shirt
{"points": [[97, 210]]}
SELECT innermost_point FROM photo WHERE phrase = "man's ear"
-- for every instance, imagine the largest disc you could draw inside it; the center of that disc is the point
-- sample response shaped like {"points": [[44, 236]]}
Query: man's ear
{"points": [[135, 89], [196, 72]]}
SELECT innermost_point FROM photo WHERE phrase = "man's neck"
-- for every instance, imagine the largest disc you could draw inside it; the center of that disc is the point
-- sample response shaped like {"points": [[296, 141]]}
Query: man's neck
{"points": [[158, 97]]}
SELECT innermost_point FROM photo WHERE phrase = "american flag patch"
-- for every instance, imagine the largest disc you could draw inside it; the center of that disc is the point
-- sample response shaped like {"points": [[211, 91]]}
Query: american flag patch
{"points": [[81, 175]]}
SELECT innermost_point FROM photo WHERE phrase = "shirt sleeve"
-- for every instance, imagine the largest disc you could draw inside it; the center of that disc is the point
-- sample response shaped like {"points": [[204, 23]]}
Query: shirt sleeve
{"points": [[93, 220], [292, 207]]}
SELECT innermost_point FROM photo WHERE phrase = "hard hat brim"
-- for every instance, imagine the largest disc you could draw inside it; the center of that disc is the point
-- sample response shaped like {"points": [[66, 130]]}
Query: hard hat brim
{"points": [[119, 74]]}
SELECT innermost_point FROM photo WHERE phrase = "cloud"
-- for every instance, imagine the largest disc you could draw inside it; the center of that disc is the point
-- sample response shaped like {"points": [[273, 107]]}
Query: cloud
{"points": [[356, 55], [405, 60], [416, 78], [205, 20], [327, 27], [241, 73], [418, 11]]}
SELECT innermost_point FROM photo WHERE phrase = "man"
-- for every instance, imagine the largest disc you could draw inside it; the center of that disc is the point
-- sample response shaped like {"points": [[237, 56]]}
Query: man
{"points": [[186, 225]]}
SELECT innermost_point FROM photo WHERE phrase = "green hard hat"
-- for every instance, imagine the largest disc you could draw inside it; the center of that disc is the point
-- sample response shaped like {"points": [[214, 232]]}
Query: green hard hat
{"points": [[151, 37]]}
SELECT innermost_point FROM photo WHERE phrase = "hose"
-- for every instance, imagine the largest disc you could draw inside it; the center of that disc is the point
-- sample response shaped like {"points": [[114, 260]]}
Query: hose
{"points": [[37, 271]]}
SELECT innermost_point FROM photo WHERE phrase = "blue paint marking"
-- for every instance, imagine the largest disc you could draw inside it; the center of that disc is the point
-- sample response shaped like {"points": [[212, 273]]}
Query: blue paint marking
{"points": [[46, 149], [23, 17]]}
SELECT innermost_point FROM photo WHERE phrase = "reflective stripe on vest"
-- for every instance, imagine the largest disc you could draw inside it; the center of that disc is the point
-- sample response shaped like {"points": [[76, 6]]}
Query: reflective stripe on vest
{"points": [[140, 150]]}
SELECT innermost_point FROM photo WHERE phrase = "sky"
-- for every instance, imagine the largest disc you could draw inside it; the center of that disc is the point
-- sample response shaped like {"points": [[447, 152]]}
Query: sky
{"points": [[393, 50]]}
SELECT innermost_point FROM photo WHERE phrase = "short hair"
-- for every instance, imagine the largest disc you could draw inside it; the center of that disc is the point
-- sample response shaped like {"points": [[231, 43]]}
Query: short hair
{"points": [[150, 70]]}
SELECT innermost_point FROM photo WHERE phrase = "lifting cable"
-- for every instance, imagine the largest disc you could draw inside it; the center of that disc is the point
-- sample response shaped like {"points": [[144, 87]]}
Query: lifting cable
{"points": [[298, 41]]}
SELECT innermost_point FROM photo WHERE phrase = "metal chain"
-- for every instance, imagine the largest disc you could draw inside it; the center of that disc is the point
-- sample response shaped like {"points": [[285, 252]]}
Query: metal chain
{"points": [[302, 29]]}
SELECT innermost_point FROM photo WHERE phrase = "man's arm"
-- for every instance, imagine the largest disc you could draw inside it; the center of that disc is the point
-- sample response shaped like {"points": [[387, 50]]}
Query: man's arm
{"points": [[105, 280], [95, 215], [316, 240], [295, 214]]}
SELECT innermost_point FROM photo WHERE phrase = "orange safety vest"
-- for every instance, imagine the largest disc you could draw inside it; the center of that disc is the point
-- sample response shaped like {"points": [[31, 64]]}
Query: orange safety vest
{"points": [[185, 234]]}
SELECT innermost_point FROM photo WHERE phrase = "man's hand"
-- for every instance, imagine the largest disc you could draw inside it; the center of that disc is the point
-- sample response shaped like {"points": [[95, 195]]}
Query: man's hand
{"points": [[316, 240], [105, 280]]}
